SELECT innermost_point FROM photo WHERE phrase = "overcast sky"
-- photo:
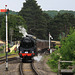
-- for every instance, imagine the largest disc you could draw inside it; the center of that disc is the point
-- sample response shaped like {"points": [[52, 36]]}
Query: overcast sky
{"points": [[16, 5]]}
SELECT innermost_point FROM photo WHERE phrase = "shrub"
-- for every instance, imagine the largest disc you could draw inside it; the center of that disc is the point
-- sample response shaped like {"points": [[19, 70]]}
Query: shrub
{"points": [[66, 52], [68, 48], [1, 48]]}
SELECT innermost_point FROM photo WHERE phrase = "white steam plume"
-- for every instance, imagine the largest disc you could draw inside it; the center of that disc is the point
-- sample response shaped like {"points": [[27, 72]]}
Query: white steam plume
{"points": [[37, 58], [23, 31]]}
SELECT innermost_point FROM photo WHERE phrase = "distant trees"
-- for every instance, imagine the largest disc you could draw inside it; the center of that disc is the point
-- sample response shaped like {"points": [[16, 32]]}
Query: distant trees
{"points": [[10, 12], [61, 24], [53, 13], [39, 23]]}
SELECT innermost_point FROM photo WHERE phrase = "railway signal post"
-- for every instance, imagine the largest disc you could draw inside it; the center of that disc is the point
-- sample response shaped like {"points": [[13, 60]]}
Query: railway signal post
{"points": [[6, 11], [6, 39], [50, 37]]}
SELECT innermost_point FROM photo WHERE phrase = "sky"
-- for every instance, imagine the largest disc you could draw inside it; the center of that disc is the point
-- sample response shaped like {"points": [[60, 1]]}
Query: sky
{"points": [[16, 5]]}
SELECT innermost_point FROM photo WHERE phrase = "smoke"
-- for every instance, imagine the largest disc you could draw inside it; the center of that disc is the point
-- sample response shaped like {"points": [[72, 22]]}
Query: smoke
{"points": [[23, 31], [37, 58]]}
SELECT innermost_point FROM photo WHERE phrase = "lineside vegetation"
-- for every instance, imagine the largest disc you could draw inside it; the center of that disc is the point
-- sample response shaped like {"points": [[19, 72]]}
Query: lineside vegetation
{"points": [[66, 52]]}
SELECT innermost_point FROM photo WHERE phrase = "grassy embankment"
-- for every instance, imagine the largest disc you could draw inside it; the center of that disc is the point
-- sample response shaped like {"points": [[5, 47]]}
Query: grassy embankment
{"points": [[3, 54]]}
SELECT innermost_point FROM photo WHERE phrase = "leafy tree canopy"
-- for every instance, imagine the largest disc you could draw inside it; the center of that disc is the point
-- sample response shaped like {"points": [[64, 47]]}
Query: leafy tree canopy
{"points": [[68, 48], [35, 20], [53, 13], [13, 22], [61, 24]]}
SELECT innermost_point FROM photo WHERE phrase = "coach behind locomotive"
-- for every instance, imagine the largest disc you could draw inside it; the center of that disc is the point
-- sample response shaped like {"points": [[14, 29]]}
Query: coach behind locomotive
{"points": [[27, 48]]}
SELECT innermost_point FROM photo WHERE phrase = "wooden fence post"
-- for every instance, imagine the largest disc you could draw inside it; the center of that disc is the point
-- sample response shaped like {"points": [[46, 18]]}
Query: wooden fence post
{"points": [[59, 69]]}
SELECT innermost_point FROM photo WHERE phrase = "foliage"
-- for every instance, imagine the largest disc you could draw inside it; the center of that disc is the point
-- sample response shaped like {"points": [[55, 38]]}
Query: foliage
{"points": [[48, 21], [13, 52], [53, 13], [1, 48], [68, 47], [61, 24], [13, 22], [10, 12], [53, 61], [66, 52], [56, 47], [36, 22], [74, 67], [13, 12], [72, 30], [39, 23], [2, 54], [1, 18]]}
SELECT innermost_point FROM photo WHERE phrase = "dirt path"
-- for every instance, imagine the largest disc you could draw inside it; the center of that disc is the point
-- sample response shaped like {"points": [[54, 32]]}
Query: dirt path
{"points": [[43, 68], [47, 67]]}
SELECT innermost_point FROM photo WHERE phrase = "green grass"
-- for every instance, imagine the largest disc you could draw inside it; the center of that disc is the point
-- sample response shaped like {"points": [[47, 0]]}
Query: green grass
{"points": [[13, 52], [1, 48], [2, 54]]}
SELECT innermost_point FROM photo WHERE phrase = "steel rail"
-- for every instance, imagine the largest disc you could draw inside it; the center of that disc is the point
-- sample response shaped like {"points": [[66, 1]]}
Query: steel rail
{"points": [[32, 66], [20, 69], [10, 59], [8, 55], [34, 69]]}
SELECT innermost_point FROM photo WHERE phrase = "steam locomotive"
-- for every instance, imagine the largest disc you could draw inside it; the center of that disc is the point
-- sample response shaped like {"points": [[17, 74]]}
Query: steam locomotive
{"points": [[27, 48]]}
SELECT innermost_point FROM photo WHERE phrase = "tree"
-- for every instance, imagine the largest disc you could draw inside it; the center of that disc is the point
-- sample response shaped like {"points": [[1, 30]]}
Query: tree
{"points": [[68, 47], [61, 24], [1, 18], [33, 15], [66, 52], [13, 22], [48, 20]]}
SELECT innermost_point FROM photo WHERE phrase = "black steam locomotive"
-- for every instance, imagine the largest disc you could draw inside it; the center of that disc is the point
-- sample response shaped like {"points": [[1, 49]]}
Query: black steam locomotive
{"points": [[27, 48]]}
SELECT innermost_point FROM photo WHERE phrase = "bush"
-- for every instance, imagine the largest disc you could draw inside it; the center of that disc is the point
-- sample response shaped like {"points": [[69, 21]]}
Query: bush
{"points": [[68, 48], [57, 47], [66, 52], [53, 61], [1, 48]]}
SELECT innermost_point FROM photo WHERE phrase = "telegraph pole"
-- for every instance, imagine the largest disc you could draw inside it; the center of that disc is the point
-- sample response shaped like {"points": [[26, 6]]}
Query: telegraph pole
{"points": [[6, 40]]}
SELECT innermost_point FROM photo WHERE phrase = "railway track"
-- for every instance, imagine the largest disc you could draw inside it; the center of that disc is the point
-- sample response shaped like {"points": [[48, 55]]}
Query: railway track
{"points": [[5, 56], [10, 58], [27, 69]]}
